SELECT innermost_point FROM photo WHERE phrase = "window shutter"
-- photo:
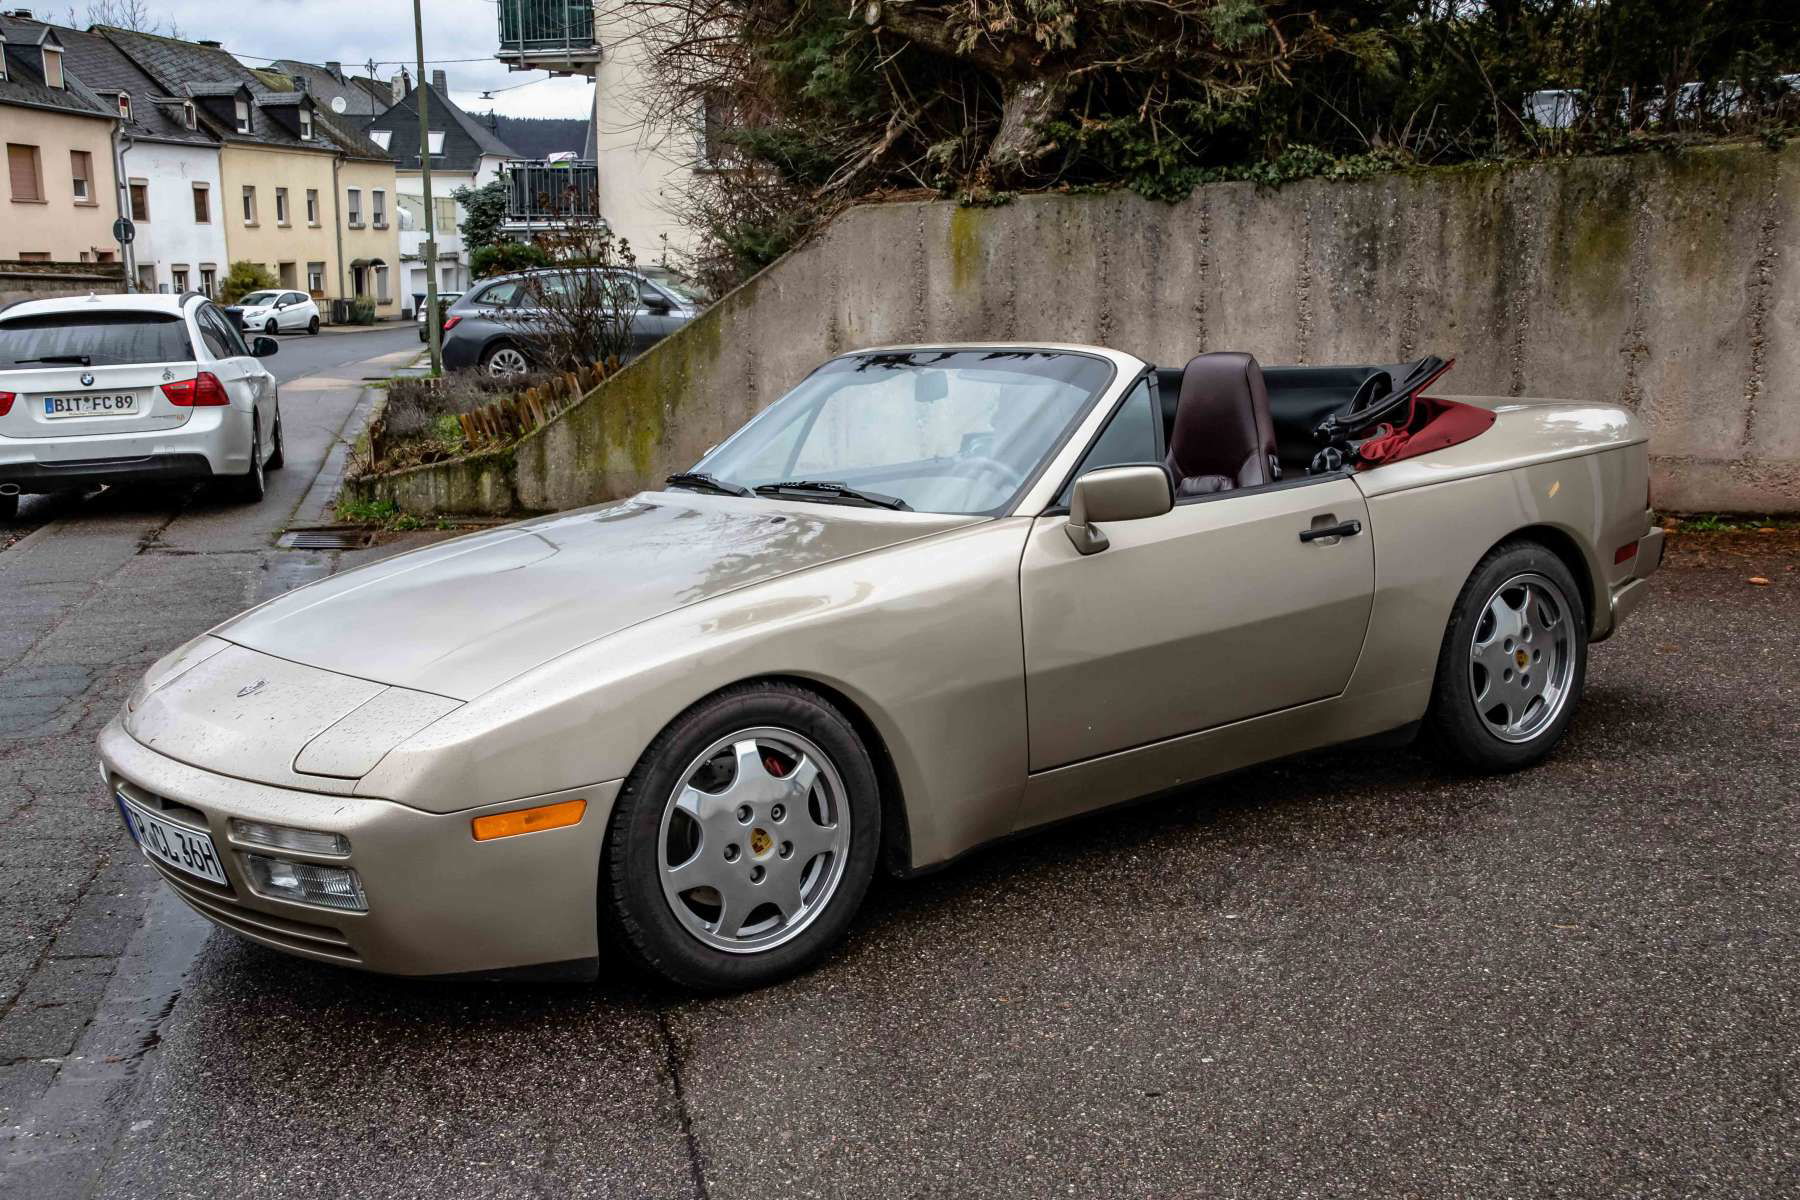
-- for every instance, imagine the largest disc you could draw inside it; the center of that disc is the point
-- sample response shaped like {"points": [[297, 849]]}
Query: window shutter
{"points": [[21, 165]]}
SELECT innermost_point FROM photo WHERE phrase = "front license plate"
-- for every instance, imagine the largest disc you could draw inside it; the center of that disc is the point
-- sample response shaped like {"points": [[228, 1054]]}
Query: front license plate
{"points": [[103, 404], [173, 844]]}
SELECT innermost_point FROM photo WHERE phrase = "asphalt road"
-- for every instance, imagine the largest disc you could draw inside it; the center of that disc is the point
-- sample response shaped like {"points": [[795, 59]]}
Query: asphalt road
{"points": [[1353, 974]]}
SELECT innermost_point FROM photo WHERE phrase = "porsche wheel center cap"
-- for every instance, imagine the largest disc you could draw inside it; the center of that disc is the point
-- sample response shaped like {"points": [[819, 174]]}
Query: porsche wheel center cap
{"points": [[1522, 658], [761, 843]]}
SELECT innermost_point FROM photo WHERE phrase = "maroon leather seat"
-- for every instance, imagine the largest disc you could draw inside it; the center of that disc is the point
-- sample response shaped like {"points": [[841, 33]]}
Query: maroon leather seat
{"points": [[1223, 437]]}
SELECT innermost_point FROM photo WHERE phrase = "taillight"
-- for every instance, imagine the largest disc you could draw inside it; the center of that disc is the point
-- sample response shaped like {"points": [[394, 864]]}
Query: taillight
{"points": [[451, 323], [203, 391], [6, 399]]}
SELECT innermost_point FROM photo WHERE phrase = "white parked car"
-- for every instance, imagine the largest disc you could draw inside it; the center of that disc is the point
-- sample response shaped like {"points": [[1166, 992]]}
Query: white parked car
{"points": [[276, 311], [132, 389], [445, 300]]}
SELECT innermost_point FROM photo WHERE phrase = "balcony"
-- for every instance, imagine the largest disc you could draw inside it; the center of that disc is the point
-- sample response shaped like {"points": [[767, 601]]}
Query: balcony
{"points": [[548, 194], [548, 35]]}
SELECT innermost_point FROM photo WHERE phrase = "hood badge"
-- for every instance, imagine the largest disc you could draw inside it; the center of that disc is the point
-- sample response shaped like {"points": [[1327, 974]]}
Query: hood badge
{"points": [[87, 379], [252, 689]]}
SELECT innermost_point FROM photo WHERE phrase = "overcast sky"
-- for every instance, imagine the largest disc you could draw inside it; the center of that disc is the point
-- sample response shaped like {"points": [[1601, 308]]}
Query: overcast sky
{"points": [[354, 31]]}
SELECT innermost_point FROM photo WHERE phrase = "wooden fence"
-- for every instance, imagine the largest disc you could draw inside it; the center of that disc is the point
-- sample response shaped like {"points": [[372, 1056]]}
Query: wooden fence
{"points": [[511, 417]]}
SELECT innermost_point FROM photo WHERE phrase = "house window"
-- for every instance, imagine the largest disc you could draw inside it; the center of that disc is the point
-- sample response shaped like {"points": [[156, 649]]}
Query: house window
{"points": [[305, 125], [378, 204], [381, 285], [27, 178], [140, 200], [53, 76], [356, 208], [315, 278], [180, 276], [202, 204], [434, 142], [125, 106], [209, 279], [188, 116], [249, 204], [243, 115], [281, 206], [312, 207], [81, 167], [381, 137]]}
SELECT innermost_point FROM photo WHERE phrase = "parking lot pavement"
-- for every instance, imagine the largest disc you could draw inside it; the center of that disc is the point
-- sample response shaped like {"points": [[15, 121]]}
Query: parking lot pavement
{"points": [[1352, 974]]}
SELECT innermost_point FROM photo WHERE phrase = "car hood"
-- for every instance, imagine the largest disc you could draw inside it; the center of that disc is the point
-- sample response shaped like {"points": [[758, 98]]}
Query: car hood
{"points": [[461, 617]]}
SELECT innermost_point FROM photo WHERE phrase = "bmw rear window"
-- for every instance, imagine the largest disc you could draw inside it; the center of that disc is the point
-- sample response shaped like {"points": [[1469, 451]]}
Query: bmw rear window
{"points": [[93, 340]]}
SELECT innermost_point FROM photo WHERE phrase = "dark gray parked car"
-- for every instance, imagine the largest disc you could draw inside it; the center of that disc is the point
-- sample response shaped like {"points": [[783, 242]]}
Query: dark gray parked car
{"points": [[493, 325]]}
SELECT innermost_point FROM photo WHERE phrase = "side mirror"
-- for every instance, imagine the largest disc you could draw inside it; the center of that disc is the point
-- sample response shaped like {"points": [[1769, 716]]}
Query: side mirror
{"points": [[656, 304], [265, 347], [1115, 494]]}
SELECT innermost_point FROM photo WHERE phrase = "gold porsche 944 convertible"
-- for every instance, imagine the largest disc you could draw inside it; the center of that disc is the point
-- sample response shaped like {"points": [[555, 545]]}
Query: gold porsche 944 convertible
{"points": [[931, 597]]}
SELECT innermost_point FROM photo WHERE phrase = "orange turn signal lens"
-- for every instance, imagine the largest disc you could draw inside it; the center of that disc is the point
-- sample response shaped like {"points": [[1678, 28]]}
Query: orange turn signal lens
{"points": [[528, 820]]}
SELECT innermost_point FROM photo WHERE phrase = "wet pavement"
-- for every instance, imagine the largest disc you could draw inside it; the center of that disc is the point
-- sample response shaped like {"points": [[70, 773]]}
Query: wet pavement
{"points": [[1353, 974]]}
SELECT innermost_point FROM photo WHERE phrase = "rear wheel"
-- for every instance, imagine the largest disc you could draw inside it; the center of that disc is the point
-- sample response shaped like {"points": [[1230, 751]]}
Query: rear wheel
{"points": [[249, 487], [312, 326], [9, 507], [744, 841], [1513, 662], [503, 360]]}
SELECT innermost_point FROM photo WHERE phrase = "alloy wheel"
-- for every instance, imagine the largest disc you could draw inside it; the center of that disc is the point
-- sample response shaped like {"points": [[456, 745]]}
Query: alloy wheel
{"points": [[1521, 657], [754, 840], [506, 362]]}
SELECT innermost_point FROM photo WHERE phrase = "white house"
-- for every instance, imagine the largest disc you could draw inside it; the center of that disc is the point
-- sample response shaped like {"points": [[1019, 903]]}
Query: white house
{"points": [[464, 153], [170, 166]]}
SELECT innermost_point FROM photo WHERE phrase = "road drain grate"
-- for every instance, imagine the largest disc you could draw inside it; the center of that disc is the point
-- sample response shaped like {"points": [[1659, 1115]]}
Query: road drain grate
{"points": [[325, 539]]}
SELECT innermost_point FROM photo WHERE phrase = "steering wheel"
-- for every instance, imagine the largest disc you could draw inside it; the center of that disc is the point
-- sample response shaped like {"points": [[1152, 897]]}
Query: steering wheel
{"points": [[1009, 477]]}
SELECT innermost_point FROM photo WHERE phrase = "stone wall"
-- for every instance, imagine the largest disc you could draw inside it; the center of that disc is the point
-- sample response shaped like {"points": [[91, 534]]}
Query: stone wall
{"points": [[39, 280], [1665, 283]]}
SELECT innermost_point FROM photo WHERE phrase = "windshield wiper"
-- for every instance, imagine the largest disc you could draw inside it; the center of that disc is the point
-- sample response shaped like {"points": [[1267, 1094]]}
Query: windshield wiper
{"points": [[701, 481], [831, 487], [80, 360]]}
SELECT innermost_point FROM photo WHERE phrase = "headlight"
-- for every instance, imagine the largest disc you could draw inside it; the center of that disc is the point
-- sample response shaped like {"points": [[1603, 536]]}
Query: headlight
{"points": [[305, 883]]}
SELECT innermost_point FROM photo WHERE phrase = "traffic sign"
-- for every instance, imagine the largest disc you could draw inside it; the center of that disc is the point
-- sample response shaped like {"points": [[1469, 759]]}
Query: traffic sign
{"points": [[124, 231]]}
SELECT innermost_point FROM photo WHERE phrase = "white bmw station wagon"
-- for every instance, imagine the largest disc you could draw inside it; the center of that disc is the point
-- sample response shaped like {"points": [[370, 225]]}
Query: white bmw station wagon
{"points": [[132, 389]]}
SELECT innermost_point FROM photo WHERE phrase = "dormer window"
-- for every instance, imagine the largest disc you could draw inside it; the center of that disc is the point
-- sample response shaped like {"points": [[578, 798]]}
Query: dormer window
{"points": [[434, 142], [189, 117], [125, 106], [53, 75], [305, 125], [243, 115], [381, 137], [2, 56]]}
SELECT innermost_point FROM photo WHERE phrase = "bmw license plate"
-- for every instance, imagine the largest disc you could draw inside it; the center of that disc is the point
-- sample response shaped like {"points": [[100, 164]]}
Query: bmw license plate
{"points": [[99, 404], [173, 844]]}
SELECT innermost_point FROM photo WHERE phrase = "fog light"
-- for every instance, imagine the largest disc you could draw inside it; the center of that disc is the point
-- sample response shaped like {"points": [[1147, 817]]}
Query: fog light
{"points": [[305, 883], [280, 837]]}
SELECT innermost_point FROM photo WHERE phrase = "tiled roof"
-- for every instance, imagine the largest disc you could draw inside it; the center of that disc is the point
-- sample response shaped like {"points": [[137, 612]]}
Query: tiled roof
{"points": [[363, 97], [466, 140], [540, 137], [99, 64], [24, 82]]}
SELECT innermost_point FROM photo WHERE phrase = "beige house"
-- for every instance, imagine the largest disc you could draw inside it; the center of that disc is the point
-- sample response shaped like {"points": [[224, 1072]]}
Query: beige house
{"points": [[304, 195], [61, 188]]}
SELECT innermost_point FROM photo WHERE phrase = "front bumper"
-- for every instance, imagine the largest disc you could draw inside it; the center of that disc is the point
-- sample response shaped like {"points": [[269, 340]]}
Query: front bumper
{"points": [[439, 902]]}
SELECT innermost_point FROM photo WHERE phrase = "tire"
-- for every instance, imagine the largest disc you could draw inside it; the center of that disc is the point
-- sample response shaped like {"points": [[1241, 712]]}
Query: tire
{"points": [[790, 883], [1513, 662], [312, 327], [250, 487], [503, 360], [9, 507], [278, 455], [271, 326]]}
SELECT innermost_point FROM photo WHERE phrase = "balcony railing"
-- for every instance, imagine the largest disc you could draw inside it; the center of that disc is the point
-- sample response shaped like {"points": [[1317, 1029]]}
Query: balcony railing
{"points": [[547, 30], [543, 192]]}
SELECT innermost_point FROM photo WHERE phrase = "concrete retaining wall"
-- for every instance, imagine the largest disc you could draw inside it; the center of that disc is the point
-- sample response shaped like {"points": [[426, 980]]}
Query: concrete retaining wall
{"points": [[1667, 284]]}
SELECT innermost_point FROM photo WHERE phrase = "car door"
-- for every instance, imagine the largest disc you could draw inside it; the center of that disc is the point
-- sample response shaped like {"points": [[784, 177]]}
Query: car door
{"points": [[1212, 613], [656, 318], [293, 311]]}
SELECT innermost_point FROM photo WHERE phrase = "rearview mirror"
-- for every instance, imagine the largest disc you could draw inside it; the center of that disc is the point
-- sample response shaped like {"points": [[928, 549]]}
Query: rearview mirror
{"points": [[264, 347], [1115, 494]]}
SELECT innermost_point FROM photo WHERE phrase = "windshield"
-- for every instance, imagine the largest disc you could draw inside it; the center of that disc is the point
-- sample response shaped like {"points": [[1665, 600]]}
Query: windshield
{"points": [[676, 286], [255, 299], [947, 431]]}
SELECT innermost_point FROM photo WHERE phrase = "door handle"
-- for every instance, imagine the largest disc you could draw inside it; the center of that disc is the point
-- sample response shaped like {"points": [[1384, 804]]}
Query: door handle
{"points": [[1341, 529]]}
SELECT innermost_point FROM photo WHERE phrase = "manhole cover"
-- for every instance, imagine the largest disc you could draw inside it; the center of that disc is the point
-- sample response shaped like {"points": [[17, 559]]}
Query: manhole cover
{"points": [[325, 539]]}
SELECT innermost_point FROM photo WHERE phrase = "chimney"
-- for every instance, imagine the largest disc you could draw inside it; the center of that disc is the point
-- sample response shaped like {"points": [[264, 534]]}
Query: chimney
{"points": [[299, 82], [336, 69], [440, 83]]}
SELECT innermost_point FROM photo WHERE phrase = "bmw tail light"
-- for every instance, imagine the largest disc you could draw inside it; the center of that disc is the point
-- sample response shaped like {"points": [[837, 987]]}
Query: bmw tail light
{"points": [[451, 323], [6, 399], [203, 391]]}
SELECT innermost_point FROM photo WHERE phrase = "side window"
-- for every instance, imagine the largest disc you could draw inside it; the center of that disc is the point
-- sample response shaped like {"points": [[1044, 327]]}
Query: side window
{"points": [[293, 298], [212, 332], [500, 295], [1130, 437]]}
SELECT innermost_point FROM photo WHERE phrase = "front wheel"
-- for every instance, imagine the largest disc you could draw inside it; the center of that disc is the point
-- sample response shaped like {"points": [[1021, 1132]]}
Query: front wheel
{"points": [[278, 451], [743, 842], [1513, 661], [271, 326]]}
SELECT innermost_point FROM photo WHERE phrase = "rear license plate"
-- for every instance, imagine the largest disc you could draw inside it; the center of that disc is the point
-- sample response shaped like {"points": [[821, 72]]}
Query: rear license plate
{"points": [[101, 404], [173, 844]]}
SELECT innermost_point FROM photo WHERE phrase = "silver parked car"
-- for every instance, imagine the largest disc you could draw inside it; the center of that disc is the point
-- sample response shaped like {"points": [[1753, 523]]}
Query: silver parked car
{"points": [[497, 323], [131, 389]]}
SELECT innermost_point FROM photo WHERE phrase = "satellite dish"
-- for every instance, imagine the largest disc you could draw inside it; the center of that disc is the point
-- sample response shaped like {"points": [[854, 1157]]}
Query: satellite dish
{"points": [[338, 105]]}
